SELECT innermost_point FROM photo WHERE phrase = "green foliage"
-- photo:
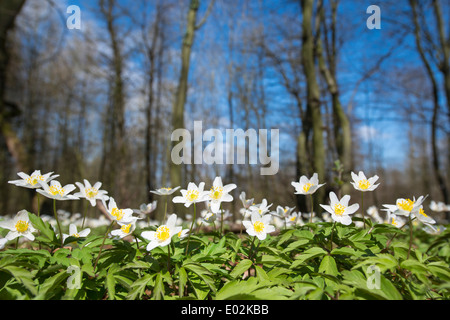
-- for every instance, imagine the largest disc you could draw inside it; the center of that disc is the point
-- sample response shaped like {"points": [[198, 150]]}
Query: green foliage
{"points": [[298, 263]]}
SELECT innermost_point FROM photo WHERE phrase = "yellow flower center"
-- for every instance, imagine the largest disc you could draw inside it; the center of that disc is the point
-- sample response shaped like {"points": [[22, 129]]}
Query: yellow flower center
{"points": [[192, 195], [126, 228], [216, 193], [91, 192], [364, 184], [406, 205], [115, 212], [422, 212], [76, 235], [55, 190], [258, 226], [34, 179], [394, 223], [293, 218], [307, 186], [21, 226], [339, 209], [162, 233], [167, 189]]}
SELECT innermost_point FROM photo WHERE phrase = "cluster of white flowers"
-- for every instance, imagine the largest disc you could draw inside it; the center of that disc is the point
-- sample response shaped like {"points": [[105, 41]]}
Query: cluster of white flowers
{"points": [[259, 219]]}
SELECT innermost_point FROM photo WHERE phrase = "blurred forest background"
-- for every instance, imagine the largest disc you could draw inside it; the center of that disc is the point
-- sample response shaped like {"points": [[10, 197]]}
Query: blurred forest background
{"points": [[101, 102]]}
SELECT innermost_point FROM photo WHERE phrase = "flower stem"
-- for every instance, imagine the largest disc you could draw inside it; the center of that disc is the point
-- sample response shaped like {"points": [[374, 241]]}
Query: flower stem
{"points": [[312, 208], [331, 240], [85, 214], [221, 220], [168, 258], [38, 214], [410, 236], [103, 242], [165, 209], [57, 222], [362, 209], [190, 229]]}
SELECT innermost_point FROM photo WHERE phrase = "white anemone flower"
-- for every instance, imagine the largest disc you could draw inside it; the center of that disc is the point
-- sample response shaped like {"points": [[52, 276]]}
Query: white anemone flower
{"points": [[361, 183], [183, 234], [209, 217], [192, 194], [145, 209], [258, 225], [164, 191], [19, 226], [126, 227], [340, 210], [292, 218], [405, 207], [32, 181], [262, 208], [163, 235], [73, 232], [219, 193], [116, 213], [307, 186], [423, 217], [56, 191], [91, 193], [245, 202]]}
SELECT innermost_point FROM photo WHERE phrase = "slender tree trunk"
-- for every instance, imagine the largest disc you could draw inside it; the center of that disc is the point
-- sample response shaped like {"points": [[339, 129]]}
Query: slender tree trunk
{"points": [[435, 154], [313, 96], [9, 10], [181, 93]]}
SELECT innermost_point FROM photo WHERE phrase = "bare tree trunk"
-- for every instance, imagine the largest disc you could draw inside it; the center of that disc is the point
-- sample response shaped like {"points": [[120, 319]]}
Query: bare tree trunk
{"points": [[341, 123], [313, 96], [435, 161], [115, 157], [9, 10], [181, 93]]}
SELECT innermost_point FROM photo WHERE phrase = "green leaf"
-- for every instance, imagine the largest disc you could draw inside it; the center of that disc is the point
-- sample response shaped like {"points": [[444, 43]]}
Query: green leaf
{"points": [[111, 285], [240, 268], [307, 255], [23, 276], [296, 245], [328, 266], [381, 260], [138, 287], [46, 231], [182, 276], [345, 251], [158, 289], [414, 266], [47, 288]]}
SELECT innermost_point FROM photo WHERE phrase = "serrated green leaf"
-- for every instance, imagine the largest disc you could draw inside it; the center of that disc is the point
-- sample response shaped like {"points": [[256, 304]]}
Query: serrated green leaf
{"points": [[240, 268]]}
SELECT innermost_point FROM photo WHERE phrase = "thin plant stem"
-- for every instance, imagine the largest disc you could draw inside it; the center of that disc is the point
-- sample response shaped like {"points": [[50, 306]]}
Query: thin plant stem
{"points": [[251, 247], [85, 214], [165, 209], [312, 208], [331, 239], [57, 222], [362, 209], [103, 242], [221, 220], [38, 214], [391, 239], [254, 252], [190, 229], [168, 258], [38, 205], [410, 236]]}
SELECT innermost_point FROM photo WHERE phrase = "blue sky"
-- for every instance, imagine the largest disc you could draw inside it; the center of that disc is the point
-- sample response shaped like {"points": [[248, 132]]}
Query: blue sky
{"points": [[375, 112]]}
